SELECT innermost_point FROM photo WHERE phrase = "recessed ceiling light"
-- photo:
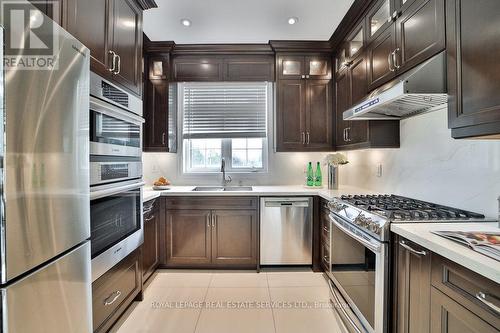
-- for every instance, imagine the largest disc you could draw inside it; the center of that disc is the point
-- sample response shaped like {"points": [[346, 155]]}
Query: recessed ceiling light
{"points": [[185, 22], [293, 20]]}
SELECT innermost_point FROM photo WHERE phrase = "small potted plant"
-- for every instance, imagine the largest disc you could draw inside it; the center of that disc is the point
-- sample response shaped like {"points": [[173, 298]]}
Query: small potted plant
{"points": [[333, 161]]}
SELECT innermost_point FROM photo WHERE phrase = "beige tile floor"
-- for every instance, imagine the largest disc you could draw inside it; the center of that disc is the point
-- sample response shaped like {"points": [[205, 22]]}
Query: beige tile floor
{"points": [[232, 302]]}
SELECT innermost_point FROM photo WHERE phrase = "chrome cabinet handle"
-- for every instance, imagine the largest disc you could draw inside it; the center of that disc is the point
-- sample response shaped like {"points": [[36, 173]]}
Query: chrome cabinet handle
{"points": [[390, 60], [307, 76], [348, 134], [303, 76], [119, 64], [214, 220], [163, 138], [308, 137], [112, 298], [209, 220], [303, 135], [395, 60], [412, 250], [112, 69], [483, 297], [149, 219], [345, 134]]}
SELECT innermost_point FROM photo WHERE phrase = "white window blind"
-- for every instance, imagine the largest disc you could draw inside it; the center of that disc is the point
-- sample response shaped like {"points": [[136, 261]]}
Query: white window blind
{"points": [[224, 110]]}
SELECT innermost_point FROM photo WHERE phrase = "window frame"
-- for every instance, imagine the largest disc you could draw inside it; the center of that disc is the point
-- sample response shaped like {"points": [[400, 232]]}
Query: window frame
{"points": [[226, 149]]}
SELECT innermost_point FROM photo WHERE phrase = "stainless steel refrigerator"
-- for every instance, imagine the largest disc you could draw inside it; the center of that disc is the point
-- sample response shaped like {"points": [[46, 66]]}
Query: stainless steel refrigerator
{"points": [[44, 187]]}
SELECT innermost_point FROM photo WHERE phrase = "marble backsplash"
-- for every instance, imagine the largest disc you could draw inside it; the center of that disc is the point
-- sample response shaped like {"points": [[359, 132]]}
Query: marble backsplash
{"points": [[430, 165]]}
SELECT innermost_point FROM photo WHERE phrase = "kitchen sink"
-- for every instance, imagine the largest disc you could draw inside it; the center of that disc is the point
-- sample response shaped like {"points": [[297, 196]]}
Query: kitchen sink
{"points": [[238, 188], [222, 188]]}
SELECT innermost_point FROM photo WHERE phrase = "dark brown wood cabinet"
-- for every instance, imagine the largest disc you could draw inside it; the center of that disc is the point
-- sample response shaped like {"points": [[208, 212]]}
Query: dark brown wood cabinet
{"points": [[304, 119], [94, 32], [448, 316], [115, 47], [291, 115], [234, 237], [197, 68], [203, 232], [380, 57], [160, 102], [413, 287], [420, 32], [434, 294], [53, 9], [473, 76], [248, 68], [114, 291], [188, 237], [151, 246], [351, 86], [402, 35], [214, 68], [126, 42]]}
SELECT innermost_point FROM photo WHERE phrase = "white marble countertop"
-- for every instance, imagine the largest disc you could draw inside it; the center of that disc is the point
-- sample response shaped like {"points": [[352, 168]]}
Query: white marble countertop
{"points": [[282, 190], [420, 233]]}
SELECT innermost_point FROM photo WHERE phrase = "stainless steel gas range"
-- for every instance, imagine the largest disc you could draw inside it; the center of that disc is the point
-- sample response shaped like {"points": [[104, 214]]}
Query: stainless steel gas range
{"points": [[359, 258]]}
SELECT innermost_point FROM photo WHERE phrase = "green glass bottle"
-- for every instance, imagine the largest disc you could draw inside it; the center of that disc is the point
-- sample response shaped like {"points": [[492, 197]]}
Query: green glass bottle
{"points": [[318, 178], [310, 175]]}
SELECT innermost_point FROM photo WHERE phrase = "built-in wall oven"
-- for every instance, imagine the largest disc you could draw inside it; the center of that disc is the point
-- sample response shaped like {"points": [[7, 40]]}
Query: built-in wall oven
{"points": [[358, 276], [115, 174]]}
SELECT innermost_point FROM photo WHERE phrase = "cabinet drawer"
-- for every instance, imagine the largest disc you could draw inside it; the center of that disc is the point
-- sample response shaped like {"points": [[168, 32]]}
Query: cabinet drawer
{"points": [[212, 202], [114, 291], [466, 287]]}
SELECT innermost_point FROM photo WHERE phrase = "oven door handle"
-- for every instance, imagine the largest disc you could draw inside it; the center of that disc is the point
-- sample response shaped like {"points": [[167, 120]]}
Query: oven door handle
{"points": [[113, 111], [338, 305], [375, 247], [114, 190]]}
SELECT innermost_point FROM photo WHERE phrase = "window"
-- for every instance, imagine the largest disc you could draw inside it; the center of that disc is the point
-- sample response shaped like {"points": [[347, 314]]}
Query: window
{"points": [[224, 120]]}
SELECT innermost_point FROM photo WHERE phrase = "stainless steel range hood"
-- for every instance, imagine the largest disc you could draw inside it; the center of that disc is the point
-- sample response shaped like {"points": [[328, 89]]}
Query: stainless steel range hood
{"points": [[414, 92]]}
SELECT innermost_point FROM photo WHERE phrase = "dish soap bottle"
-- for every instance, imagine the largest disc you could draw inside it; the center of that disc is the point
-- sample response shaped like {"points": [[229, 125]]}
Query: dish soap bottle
{"points": [[310, 175], [318, 179]]}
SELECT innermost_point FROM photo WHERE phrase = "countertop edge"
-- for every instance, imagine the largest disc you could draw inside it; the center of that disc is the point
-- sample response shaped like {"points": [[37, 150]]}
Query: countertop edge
{"points": [[453, 251]]}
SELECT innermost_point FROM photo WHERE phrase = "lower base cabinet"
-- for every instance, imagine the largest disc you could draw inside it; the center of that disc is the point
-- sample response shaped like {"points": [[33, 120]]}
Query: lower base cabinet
{"points": [[434, 294], [448, 316], [151, 247], [215, 232], [114, 291]]}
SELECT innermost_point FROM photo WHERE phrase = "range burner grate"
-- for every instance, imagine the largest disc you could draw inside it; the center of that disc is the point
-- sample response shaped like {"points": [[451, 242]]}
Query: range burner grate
{"points": [[398, 208]]}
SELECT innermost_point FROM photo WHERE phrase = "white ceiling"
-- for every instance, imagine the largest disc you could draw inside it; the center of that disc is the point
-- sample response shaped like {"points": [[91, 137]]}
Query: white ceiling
{"points": [[243, 21]]}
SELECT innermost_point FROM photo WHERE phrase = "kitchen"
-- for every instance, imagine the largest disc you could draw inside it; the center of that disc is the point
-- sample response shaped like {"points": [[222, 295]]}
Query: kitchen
{"points": [[250, 167]]}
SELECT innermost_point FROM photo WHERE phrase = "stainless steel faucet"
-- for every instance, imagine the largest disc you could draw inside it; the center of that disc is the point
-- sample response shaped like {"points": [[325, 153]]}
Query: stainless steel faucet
{"points": [[225, 180]]}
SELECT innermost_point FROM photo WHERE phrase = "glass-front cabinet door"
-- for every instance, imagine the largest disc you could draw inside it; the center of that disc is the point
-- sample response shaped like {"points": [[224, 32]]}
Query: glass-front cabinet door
{"points": [[317, 68], [379, 18], [291, 67], [355, 42]]}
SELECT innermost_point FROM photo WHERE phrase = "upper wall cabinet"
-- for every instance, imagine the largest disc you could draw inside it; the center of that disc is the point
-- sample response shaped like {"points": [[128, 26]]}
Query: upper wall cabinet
{"points": [[352, 46], [112, 30], [473, 47], [159, 107], [304, 119], [350, 88], [402, 34], [189, 68], [304, 67]]}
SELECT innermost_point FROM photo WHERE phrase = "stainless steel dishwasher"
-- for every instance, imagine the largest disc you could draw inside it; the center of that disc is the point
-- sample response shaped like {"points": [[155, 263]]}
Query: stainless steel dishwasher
{"points": [[286, 231]]}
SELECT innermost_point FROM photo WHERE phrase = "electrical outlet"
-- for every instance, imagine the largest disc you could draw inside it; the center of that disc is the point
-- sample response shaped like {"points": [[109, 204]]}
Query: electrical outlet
{"points": [[379, 170]]}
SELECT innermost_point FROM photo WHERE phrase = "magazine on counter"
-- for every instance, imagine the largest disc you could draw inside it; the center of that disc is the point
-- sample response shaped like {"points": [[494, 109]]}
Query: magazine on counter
{"points": [[487, 243]]}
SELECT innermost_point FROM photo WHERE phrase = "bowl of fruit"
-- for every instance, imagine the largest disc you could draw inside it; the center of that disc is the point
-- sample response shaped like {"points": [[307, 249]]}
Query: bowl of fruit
{"points": [[161, 184]]}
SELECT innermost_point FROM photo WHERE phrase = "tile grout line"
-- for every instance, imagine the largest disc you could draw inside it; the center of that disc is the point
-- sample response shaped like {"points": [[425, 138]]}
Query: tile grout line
{"points": [[204, 299], [271, 301]]}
